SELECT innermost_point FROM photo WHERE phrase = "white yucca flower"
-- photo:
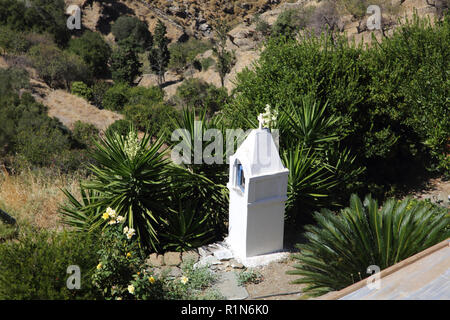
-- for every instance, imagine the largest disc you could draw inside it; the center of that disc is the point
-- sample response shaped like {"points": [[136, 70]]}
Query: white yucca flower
{"points": [[132, 144], [270, 116]]}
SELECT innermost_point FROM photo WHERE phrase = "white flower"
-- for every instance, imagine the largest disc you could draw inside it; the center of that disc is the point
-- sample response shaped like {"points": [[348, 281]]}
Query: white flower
{"points": [[184, 279], [270, 116], [131, 289], [119, 219], [125, 230], [132, 145], [131, 232], [112, 213]]}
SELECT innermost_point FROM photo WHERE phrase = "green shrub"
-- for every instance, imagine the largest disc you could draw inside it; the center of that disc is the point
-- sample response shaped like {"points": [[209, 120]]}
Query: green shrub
{"points": [[116, 97], [133, 31], [341, 247], [187, 227], [85, 133], [12, 41], [58, 68], [122, 273], [125, 65], [36, 15], [183, 55], [12, 80], [385, 105], [143, 95], [35, 266], [249, 276], [99, 89], [154, 118], [119, 260], [290, 22], [196, 93], [81, 89], [122, 127], [206, 63], [94, 50]]}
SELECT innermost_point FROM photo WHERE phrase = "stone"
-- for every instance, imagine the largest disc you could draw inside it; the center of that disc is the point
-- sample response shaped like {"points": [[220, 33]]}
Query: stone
{"points": [[155, 260], [223, 254], [229, 287], [172, 258], [190, 255], [207, 261], [203, 251], [204, 27], [236, 265]]}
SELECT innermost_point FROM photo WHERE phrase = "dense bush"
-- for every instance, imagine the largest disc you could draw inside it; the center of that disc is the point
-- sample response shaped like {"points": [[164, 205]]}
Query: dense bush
{"points": [[35, 266], [36, 15], [81, 89], [123, 274], [12, 41], [183, 55], [151, 117], [28, 134], [143, 95], [85, 133], [196, 93], [99, 89], [370, 90], [125, 65], [341, 247], [122, 127], [138, 172], [132, 31], [58, 68], [93, 49], [116, 97], [290, 22]]}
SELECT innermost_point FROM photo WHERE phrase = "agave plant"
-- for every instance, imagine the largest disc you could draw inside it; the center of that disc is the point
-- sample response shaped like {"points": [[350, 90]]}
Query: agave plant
{"points": [[342, 246], [131, 177]]}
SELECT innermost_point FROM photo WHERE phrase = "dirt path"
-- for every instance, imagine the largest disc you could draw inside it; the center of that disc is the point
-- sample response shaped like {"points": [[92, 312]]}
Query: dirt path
{"points": [[275, 283]]}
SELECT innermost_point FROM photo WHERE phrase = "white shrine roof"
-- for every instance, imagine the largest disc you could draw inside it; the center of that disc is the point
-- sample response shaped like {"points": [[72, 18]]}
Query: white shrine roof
{"points": [[259, 155]]}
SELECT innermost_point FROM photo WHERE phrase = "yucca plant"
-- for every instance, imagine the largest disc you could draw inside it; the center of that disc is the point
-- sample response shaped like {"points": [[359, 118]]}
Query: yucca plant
{"points": [[307, 124], [310, 181], [202, 181], [187, 226], [130, 176], [342, 246]]}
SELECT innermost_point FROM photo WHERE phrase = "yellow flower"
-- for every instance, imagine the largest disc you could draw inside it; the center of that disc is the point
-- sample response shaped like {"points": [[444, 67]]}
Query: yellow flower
{"points": [[99, 266], [128, 254], [184, 279], [151, 280], [105, 216]]}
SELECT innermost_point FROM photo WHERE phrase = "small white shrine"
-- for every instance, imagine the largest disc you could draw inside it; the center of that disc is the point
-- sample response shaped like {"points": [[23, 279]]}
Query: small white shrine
{"points": [[258, 188]]}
